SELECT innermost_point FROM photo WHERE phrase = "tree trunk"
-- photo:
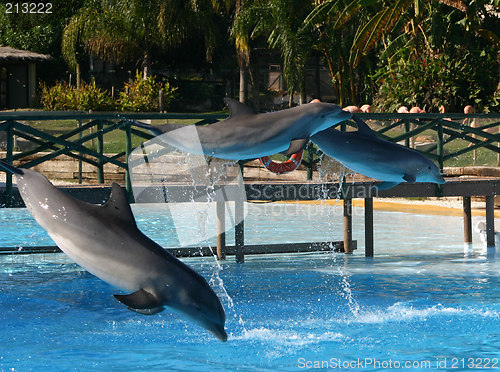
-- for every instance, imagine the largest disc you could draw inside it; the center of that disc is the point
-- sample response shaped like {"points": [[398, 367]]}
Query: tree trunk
{"points": [[146, 65], [317, 77], [243, 83], [78, 76], [303, 92], [254, 78]]}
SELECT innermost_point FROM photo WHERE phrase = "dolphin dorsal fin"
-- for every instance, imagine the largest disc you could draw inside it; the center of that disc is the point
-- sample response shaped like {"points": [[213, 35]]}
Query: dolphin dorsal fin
{"points": [[363, 128], [118, 206], [237, 108]]}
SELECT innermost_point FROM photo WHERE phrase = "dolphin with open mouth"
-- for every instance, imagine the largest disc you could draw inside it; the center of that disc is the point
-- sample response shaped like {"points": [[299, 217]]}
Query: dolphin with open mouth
{"points": [[104, 239], [246, 134], [363, 152]]}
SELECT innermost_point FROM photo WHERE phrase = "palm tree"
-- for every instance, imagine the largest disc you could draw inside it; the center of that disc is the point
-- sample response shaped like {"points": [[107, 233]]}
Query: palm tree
{"points": [[130, 30], [349, 31], [280, 22]]}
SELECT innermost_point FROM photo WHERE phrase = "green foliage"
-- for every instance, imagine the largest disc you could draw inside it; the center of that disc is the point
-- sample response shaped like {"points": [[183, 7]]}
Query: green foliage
{"points": [[429, 80], [61, 96], [143, 94], [40, 33], [281, 22], [140, 95], [130, 30]]}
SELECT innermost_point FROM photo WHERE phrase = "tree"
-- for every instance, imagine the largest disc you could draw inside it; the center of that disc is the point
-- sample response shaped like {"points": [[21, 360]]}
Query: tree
{"points": [[280, 21], [39, 33], [355, 34], [130, 30], [453, 60]]}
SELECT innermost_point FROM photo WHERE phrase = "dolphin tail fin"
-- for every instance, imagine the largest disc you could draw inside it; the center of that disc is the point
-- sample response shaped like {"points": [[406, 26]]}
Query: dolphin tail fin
{"points": [[141, 301], [9, 168], [296, 145]]}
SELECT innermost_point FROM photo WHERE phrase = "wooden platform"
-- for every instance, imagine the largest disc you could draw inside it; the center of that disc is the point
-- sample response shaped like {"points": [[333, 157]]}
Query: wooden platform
{"points": [[293, 191], [337, 246]]}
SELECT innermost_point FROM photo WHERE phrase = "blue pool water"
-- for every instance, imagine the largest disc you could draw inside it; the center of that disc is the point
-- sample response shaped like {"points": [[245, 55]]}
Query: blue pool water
{"points": [[422, 302]]}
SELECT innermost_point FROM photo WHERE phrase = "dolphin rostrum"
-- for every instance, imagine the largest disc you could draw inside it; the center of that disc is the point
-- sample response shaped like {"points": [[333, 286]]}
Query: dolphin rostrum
{"points": [[363, 152], [246, 134], [104, 239]]}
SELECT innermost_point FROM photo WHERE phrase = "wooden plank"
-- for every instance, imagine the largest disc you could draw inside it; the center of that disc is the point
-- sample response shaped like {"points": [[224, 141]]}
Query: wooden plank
{"points": [[336, 246], [297, 191]]}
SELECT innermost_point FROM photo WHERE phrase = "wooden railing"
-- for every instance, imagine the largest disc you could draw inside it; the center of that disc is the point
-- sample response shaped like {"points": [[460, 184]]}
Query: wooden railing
{"points": [[92, 127]]}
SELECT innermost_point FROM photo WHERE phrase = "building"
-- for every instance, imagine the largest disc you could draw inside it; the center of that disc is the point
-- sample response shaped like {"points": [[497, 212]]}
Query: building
{"points": [[18, 77]]}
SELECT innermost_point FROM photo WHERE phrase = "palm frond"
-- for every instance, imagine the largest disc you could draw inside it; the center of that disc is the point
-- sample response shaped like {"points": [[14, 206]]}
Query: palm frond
{"points": [[396, 46], [380, 24]]}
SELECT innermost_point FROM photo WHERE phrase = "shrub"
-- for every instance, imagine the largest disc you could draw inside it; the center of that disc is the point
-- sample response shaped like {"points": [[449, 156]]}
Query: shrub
{"points": [[143, 94], [62, 96], [428, 81]]}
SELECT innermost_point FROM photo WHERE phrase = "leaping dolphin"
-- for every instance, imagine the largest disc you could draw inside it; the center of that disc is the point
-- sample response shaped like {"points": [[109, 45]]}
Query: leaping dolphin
{"points": [[106, 242], [248, 135], [363, 152]]}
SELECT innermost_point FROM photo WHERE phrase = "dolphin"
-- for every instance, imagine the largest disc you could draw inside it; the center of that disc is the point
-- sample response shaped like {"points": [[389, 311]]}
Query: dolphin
{"points": [[363, 152], [246, 134], [104, 239]]}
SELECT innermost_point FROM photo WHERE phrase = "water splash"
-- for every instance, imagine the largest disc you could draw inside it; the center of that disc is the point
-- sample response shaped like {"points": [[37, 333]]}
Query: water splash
{"points": [[342, 173]]}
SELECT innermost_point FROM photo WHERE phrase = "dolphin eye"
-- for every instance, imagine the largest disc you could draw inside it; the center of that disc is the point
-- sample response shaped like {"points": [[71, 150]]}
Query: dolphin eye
{"points": [[323, 116]]}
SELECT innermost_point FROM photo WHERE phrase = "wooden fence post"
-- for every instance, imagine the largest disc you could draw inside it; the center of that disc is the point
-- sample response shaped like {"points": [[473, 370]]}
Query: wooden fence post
{"points": [[348, 225], [221, 230], [100, 151], [490, 221], [128, 151], [80, 161], [467, 220], [310, 161], [407, 129], [9, 159], [368, 227], [440, 144]]}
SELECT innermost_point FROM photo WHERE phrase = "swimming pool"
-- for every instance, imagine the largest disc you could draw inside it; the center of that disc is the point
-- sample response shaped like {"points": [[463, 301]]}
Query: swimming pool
{"points": [[421, 300]]}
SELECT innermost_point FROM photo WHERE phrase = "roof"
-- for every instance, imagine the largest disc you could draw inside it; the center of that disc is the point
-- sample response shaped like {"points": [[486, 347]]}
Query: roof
{"points": [[17, 55]]}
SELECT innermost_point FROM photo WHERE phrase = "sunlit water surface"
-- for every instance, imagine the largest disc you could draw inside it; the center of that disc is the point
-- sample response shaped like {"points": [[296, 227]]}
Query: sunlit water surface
{"points": [[421, 301]]}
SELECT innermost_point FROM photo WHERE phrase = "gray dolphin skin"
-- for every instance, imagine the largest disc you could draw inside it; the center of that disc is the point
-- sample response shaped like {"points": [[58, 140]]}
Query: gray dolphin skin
{"points": [[363, 152], [104, 239], [248, 135]]}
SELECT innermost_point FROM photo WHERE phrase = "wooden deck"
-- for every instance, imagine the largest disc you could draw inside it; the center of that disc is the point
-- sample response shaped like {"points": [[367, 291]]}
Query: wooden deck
{"points": [[308, 191]]}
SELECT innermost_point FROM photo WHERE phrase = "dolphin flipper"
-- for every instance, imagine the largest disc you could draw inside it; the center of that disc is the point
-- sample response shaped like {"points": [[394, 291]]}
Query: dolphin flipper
{"points": [[296, 145], [385, 185], [409, 178], [140, 300], [153, 311]]}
